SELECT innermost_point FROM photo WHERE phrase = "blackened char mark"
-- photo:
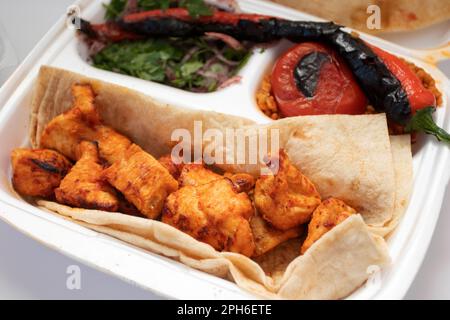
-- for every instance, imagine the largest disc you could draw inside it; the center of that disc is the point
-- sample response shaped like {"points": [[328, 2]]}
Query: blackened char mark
{"points": [[85, 27], [262, 31], [304, 30], [162, 27], [46, 166], [307, 72]]}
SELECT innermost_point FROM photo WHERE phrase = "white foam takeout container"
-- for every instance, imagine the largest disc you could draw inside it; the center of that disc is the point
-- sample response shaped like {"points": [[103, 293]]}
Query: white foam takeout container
{"points": [[60, 48]]}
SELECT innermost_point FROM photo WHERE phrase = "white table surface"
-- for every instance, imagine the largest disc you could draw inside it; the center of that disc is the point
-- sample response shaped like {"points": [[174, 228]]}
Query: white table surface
{"points": [[29, 270]]}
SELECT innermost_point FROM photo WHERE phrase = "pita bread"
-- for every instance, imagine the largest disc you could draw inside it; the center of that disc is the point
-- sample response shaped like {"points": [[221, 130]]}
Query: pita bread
{"points": [[350, 157], [332, 268], [398, 15], [401, 153]]}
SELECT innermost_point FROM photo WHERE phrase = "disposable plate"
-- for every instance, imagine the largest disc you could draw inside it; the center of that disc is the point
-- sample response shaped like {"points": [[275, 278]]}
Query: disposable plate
{"points": [[60, 48]]}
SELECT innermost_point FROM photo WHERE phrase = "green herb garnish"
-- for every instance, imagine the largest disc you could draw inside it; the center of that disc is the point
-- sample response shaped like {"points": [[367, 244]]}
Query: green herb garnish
{"points": [[194, 64], [196, 8], [153, 4], [189, 64], [114, 8], [244, 61], [423, 121]]}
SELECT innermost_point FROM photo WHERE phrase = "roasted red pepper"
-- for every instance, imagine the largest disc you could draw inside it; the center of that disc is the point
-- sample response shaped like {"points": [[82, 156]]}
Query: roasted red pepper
{"points": [[221, 17], [419, 97], [107, 32], [312, 79]]}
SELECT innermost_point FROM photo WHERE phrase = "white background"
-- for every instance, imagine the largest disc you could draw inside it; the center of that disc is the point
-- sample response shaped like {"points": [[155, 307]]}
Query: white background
{"points": [[29, 270]]}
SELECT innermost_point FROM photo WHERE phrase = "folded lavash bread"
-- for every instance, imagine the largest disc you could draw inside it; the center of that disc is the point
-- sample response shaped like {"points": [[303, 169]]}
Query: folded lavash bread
{"points": [[348, 157]]}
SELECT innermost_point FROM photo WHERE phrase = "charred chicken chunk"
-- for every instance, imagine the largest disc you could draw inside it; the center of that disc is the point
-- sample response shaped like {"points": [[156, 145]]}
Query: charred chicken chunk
{"points": [[64, 132], [242, 181], [285, 198], [82, 122], [213, 213], [327, 215], [84, 98], [126, 207], [112, 145], [197, 174], [267, 237], [173, 168], [38, 172], [194, 174], [142, 180], [83, 186]]}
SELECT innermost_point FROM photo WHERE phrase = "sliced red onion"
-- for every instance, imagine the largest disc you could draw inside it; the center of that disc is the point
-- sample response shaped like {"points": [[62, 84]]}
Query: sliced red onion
{"points": [[95, 47], [220, 56], [229, 40], [208, 74], [189, 54], [229, 82], [208, 63]]}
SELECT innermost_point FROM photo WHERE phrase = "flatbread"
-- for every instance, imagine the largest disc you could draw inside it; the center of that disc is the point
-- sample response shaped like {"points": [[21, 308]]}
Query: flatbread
{"points": [[349, 157], [331, 269], [398, 15], [401, 153]]}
